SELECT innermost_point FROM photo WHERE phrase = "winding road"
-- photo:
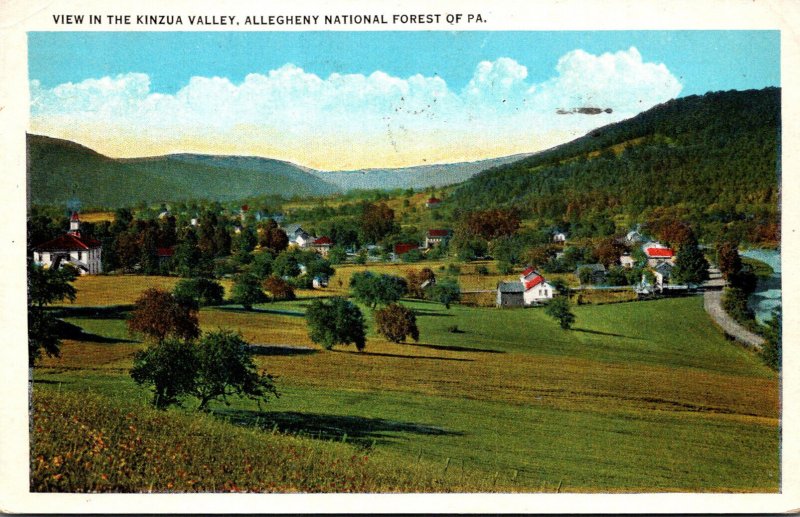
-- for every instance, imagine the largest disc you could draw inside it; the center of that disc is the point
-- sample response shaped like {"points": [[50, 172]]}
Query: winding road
{"points": [[712, 301]]}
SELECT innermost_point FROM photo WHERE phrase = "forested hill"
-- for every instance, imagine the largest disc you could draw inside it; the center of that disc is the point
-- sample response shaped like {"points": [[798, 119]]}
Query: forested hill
{"points": [[59, 170], [713, 158]]}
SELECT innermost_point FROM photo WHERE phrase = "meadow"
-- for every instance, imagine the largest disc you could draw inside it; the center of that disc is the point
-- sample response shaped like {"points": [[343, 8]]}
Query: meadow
{"points": [[637, 397]]}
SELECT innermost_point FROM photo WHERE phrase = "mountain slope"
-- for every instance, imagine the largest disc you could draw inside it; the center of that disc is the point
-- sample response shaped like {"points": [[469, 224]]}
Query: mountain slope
{"points": [[714, 156], [59, 170]]}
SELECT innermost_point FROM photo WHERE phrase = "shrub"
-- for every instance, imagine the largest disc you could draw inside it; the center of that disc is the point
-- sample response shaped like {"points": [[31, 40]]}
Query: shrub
{"points": [[559, 309], [279, 288], [336, 322], [482, 270], [396, 322], [198, 292], [247, 291], [445, 292]]}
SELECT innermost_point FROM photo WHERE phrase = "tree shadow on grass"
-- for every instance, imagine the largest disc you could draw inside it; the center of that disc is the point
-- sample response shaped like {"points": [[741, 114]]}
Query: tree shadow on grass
{"points": [[69, 331], [382, 354], [330, 427], [281, 350], [431, 313], [453, 348], [599, 333], [258, 310], [111, 312]]}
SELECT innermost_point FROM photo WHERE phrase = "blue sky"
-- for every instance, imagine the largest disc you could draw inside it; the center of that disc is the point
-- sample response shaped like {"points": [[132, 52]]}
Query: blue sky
{"points": [[83, 82]]}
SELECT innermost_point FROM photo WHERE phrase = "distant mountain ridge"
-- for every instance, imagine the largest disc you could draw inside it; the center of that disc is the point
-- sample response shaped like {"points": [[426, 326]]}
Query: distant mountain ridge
{"points": [[59, 170]]}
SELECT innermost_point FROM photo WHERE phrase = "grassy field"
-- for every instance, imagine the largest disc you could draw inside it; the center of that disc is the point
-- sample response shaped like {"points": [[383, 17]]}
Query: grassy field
{"points": [[637, 397]]}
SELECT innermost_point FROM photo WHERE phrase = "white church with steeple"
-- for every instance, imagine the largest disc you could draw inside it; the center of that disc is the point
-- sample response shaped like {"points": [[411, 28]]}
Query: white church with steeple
{"points": [[84, 253]]}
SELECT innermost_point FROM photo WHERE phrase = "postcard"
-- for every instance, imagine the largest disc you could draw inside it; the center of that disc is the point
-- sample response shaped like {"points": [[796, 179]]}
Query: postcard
{"points": [[429, 258]]}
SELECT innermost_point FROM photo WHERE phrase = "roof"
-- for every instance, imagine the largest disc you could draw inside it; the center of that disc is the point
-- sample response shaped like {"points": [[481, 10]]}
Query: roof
{"points": [[165, 252], [404, 247], [74, 217], [433, 200], [533, 282], [594, 268], [322, 241], [292, 228], [659, 252], [68, 242], [438, 233], [528, 271], [510, 287]]}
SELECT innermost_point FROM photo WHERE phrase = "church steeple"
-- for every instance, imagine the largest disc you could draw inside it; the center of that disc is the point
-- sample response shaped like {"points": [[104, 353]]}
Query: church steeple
{"points": [[74, 224]]}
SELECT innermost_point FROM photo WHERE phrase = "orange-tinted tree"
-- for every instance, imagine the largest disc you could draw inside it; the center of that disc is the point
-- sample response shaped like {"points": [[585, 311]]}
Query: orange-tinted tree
{"points": [[279, 288], [159, 315], [377, 221], [396, 322], [415, 279]]}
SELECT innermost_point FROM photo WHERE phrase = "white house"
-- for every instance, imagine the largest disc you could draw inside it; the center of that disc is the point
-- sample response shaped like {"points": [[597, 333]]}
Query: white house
{"points": [[322, 245], [434, 237], [71, 248], [537, 289], [627, 261], [298, 236], [559, 237]]}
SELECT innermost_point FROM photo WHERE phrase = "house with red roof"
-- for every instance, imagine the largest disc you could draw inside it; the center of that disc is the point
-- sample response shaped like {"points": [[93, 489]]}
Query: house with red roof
{"points": [[532, 289], [401, 248], [432, 202], [435, 237], [657, 253], [84, 253], [322, 245]]}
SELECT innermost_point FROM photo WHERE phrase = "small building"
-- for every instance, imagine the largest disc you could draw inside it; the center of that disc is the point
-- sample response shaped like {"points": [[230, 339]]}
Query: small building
{"points": [[663, 273], [559, 237], [657, 253], [432, 202], [634, 237], [510, 294], [165, 255], [322, 245], [596, 272], [319, 282], [627, 261], [84, 253], [435, 237], [535, 288], [401, 248], [297, 236]]}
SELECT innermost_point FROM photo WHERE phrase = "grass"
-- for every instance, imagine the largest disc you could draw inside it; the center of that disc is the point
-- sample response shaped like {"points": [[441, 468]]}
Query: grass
{"points": [[637, 397], [761, 269]]}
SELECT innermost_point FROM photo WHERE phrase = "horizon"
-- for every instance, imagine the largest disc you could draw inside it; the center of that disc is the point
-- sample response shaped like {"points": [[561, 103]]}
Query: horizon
{"points": [[337, 104]]}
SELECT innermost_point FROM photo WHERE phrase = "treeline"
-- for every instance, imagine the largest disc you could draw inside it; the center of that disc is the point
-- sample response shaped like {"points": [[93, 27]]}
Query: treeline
{"points": [[715, 157]]}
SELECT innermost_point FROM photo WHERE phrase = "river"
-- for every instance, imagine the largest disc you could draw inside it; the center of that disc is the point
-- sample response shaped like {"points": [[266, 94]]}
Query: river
{"points": [[768, 291]]}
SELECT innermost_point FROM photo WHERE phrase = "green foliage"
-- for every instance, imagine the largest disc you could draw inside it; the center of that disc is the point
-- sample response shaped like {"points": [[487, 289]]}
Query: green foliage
{"points": [[158, 314], [225, 368], [411, 256], [734, 301], [377, 221], [680, 155], [336, 322], [560, 310], [691, 266], [261, 266], [372, 289], [772, 351], [46, 286], [247, 291], [198, 292], [396, 322], [445, 292], [337, 255], [169, 367]]}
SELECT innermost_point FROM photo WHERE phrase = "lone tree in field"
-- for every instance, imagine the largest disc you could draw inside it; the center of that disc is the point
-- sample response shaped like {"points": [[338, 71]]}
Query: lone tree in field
{"points": [[198, 292], [158, 315], [279, 288], [45, 287], [396, 322], [170, 367], [445, 292], [336, 322], [371, 289], [560, 310], [225, 367], [247, 291], [415, 280]]}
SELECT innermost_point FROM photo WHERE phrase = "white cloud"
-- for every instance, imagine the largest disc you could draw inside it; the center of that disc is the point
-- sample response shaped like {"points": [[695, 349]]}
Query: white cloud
{"points": [[354, 120]]}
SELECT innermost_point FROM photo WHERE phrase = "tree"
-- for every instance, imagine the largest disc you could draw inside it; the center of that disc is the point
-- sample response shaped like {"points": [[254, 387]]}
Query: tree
{"points": [[377, 221], [492, 223], [198, 292], [157, 314], [772, 350], [560, 310], [170, 367], [415, 279], [336, 322], [45, 287], [609, 251], [445, 292], [337, 255], [247, 291], [728, 259], [395, 322], [691, 267], [225, 367], [279, 288], [261, 266], [372, 289], [271, 237]]}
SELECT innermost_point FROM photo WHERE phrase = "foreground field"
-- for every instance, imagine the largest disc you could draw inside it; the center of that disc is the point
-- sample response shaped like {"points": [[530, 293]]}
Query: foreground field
{"points": [[638, 397]]}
